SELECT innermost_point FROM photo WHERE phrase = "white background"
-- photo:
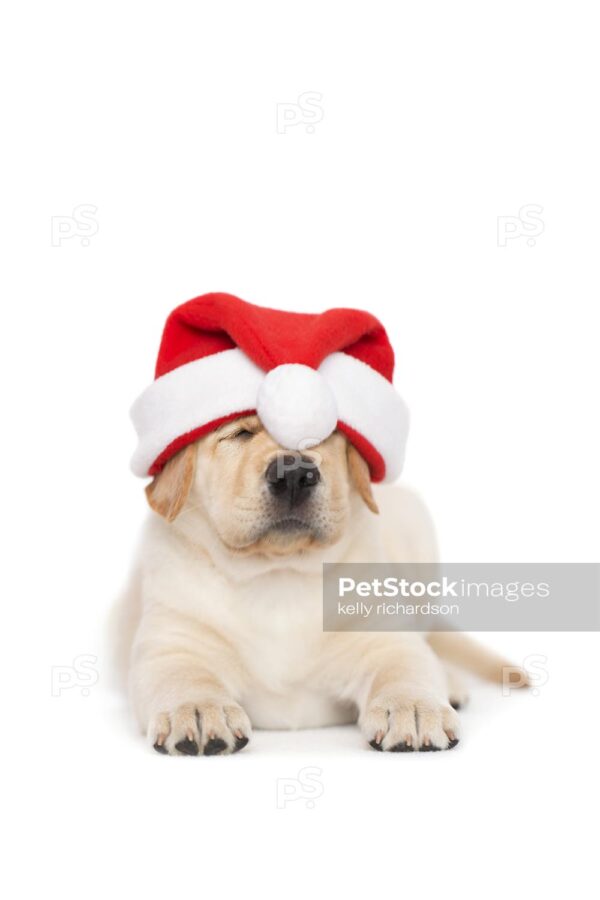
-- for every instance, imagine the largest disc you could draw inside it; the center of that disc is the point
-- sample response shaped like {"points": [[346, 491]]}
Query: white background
{"points": [[436, 118]]}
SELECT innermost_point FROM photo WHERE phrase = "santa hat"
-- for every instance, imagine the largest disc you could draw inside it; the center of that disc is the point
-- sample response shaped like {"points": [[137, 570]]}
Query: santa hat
{"points": [[304, 374]]}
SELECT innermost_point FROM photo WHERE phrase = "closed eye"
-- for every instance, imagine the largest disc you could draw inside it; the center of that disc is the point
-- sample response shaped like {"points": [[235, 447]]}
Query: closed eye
{"points": [[243, 434], [243, 430]]}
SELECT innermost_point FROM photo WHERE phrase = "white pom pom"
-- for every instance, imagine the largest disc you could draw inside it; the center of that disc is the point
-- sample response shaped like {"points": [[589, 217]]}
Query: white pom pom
{"points": [[296, 406]]}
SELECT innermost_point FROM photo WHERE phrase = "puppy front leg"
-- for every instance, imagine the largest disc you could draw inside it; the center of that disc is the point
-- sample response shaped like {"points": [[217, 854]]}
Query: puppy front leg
{"points": [[400, 689], [183, 681], [405, 707]]}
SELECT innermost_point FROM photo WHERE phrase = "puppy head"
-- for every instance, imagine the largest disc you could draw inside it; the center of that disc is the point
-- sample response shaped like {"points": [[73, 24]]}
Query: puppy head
{"points": [[258, 497]]}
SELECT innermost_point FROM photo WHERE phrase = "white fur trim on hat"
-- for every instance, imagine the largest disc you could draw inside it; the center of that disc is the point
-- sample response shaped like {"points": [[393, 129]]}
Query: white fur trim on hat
{"points": [[298, 406], [369, 403], [186, 398]]}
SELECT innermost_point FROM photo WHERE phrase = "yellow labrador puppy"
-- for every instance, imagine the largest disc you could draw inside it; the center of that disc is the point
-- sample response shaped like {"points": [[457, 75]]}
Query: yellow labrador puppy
{"points": [[225, 611]]}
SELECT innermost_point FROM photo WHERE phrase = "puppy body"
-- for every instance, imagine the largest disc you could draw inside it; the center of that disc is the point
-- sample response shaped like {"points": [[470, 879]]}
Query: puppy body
{"points": [[257, 622], [223, 625]]}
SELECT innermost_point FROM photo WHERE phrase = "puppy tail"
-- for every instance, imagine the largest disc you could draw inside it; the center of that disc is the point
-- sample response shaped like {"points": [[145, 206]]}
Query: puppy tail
{"points": [[466, 653]]}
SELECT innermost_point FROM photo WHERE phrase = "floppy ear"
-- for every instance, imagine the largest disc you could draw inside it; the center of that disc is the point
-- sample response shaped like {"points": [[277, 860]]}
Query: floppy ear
{"points": [[360, 477], [168, 490]]}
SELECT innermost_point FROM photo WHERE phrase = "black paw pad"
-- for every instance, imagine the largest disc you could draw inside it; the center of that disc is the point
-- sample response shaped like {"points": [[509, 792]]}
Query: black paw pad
{"points": [[160, 748], [452, 743], [375, 745], [214, 747], [428, 748], [187, 747], [402, 747], [240, 743]]}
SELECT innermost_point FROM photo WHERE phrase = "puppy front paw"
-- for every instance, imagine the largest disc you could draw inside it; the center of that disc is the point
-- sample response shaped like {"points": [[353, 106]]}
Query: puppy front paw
{"points": [[401, 723], [204, 728]]}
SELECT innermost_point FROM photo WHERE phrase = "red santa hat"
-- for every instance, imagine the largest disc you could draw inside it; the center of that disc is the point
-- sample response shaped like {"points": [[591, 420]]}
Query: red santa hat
{"points": [[304, 374]]}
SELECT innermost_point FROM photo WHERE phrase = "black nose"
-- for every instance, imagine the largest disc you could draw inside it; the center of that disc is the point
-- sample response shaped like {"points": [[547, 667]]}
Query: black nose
{"points": [[292, 477]]}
